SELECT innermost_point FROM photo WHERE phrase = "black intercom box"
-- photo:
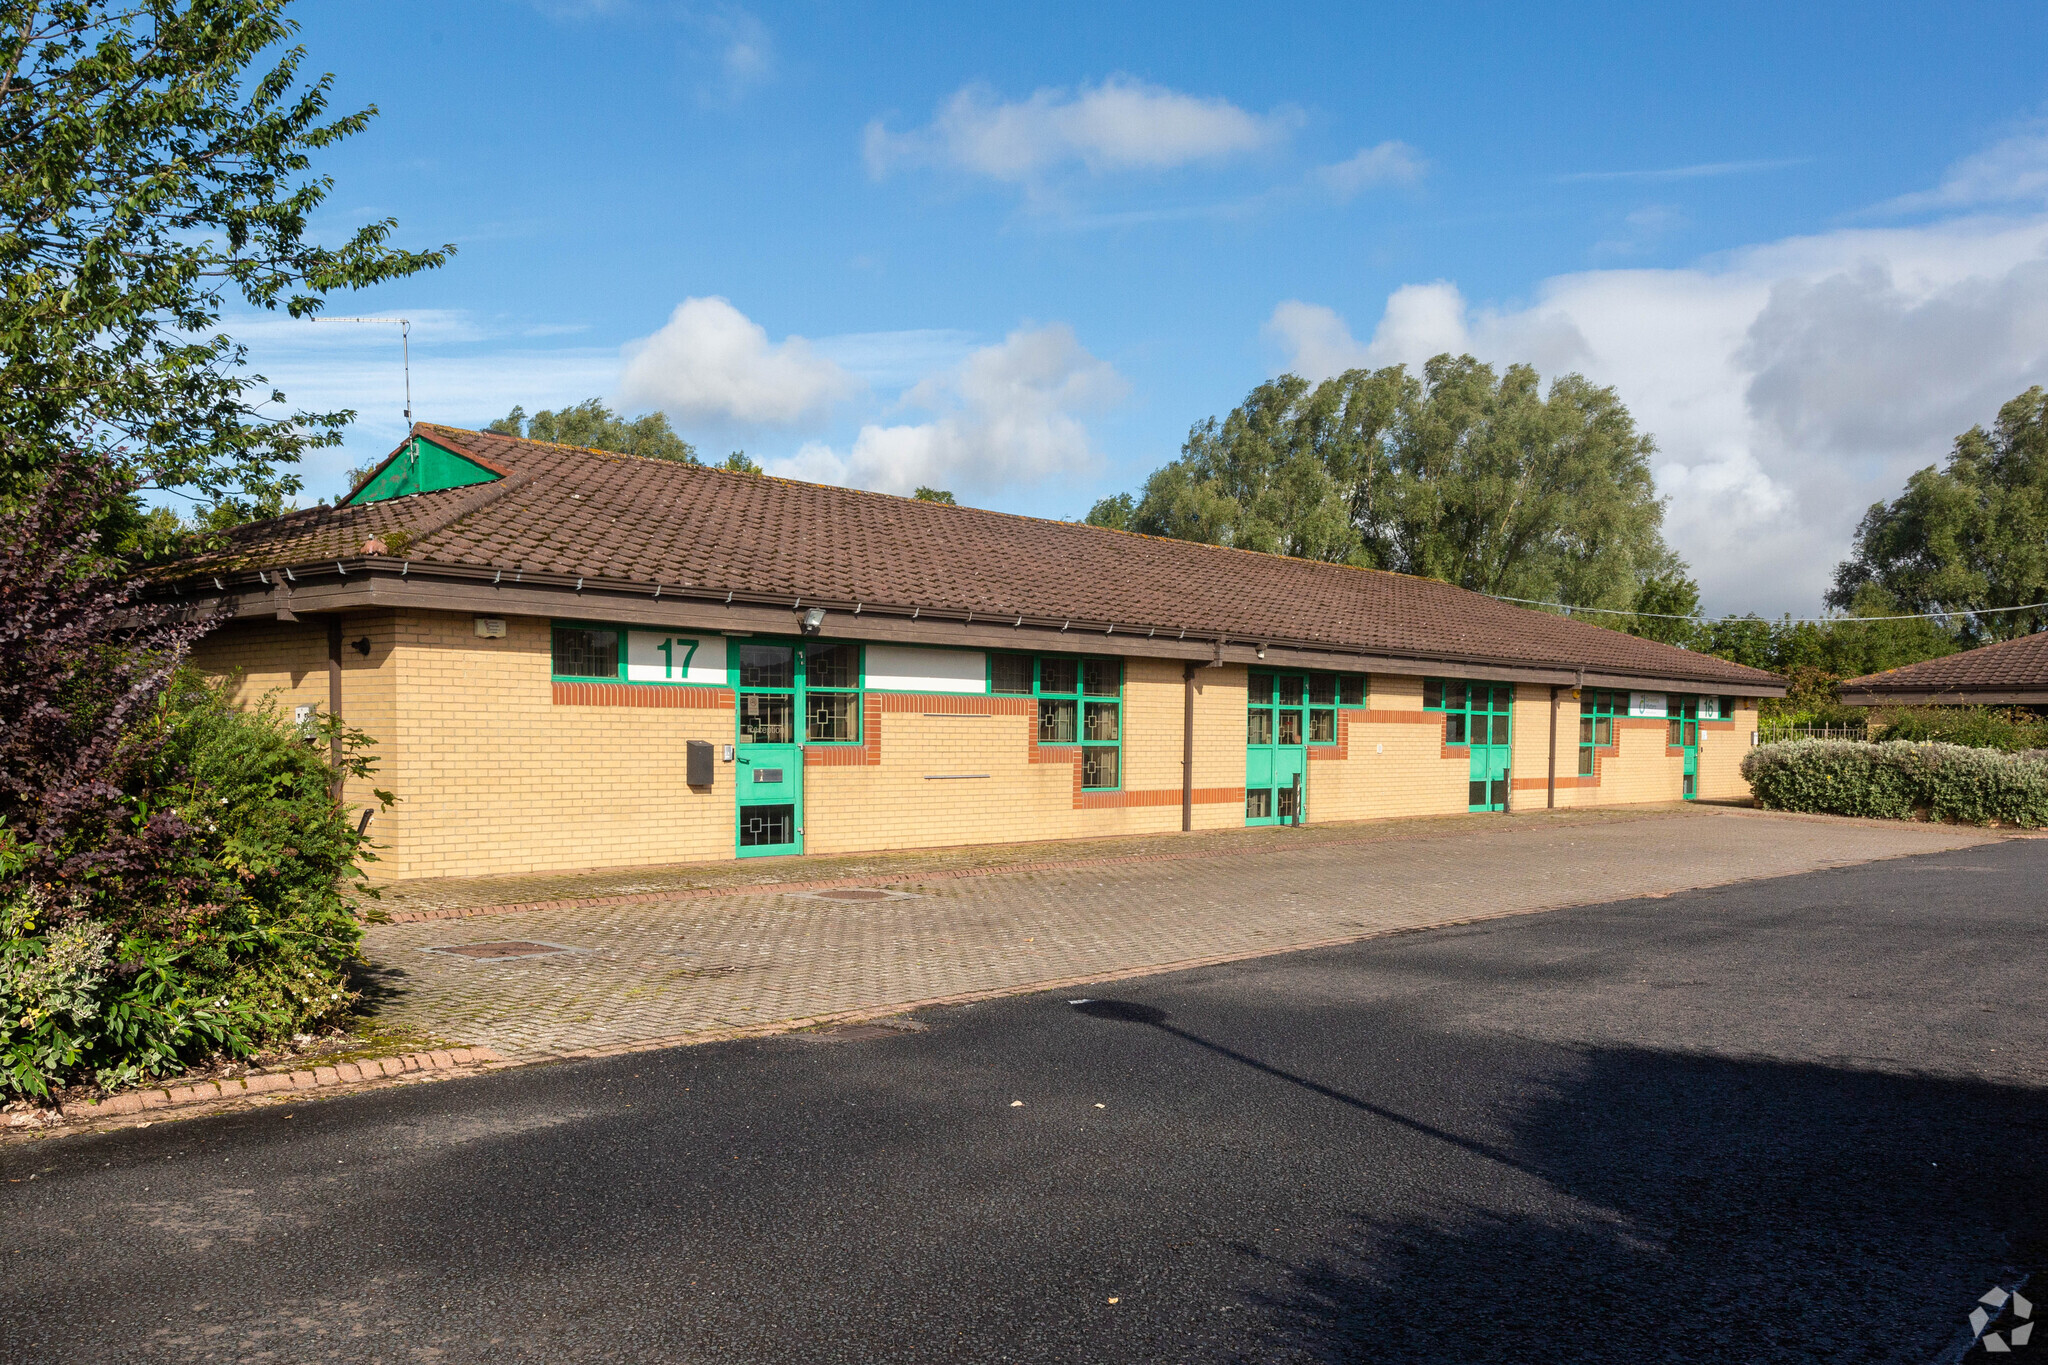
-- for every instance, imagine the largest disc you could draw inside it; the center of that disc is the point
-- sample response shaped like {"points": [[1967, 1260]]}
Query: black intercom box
{"points": [[697, 769]]}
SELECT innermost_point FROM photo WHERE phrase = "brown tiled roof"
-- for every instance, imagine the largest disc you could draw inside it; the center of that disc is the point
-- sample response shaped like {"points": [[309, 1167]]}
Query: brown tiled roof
{"points": [[574, 512], [2010, 666]]}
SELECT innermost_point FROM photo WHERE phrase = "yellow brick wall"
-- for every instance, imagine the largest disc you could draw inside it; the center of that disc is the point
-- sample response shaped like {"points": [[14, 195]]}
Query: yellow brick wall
{"points": [[1394, 760], [493, 776], [1721, 752]]}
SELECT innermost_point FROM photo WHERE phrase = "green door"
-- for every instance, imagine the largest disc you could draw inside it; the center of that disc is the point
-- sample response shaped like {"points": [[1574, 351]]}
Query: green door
{"points": [[1685, 735], [1276, 752], [768, 771], [1487, 725]]}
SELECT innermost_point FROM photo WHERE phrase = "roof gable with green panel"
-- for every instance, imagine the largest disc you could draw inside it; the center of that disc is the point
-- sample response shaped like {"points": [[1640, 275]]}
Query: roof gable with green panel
{"points": [[420, 466]]}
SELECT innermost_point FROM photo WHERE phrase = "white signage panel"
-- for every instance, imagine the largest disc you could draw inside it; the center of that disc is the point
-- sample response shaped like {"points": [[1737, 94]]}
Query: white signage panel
{"points": [[1646, 704], [666, 656], [1710, 708], [894, 668]]}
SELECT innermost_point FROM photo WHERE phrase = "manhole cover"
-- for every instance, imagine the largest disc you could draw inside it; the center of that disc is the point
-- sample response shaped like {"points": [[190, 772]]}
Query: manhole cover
{"points": [[873, 1028], [854, 894], [506, 948]]}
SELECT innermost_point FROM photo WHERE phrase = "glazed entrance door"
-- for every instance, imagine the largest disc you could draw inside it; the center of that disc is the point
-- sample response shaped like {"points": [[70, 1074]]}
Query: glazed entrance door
{"points": [[769, 764], [1276, 752], [1487, 731], [1685, 735]]}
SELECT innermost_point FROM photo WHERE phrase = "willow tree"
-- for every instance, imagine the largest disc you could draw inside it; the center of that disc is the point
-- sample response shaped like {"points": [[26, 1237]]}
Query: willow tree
{"points": [[1480, 479]]}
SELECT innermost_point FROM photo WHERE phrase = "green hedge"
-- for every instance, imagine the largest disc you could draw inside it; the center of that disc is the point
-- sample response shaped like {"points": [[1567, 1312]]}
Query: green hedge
{"points": [[1899, 780], [248, 937]]}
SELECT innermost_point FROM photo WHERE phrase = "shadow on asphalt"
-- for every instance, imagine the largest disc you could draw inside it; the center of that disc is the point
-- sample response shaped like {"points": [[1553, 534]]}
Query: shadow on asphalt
{"points": [[1733, 1210]]}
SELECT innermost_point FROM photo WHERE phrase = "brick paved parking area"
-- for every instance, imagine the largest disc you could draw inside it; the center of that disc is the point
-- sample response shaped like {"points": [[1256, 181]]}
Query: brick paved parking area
{"points": [[713, 959]]}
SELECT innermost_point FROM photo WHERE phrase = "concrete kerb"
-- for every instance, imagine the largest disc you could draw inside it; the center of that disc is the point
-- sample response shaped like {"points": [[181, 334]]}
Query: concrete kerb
{"points": [[268, 1087]]}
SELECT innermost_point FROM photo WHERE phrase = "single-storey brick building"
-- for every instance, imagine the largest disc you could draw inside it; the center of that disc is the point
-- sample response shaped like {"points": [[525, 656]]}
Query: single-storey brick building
{"points": [[570, 659]]}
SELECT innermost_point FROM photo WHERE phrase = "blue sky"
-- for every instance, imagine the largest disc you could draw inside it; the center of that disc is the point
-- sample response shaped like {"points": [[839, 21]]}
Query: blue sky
{"points": [[1017, 254]]}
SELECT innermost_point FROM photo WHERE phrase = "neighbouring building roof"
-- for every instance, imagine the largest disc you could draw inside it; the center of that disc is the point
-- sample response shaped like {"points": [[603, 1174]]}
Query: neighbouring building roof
{"points": [[629, 525], [2012, 671]]}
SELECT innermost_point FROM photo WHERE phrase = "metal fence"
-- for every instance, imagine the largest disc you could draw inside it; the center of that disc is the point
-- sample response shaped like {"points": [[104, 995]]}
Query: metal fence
{"points": [[1767, 733]]}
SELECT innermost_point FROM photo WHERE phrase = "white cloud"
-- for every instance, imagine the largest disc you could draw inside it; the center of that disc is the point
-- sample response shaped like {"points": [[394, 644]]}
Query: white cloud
{"points": [[1007, 414], [746, 52], [1123, 124], [712, 362], [1789, 385], [1389, 163], [2007, 172]]}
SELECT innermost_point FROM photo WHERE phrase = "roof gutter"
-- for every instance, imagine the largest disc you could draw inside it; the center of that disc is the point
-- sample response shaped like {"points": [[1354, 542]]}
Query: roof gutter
{"points": [[367, 582]]}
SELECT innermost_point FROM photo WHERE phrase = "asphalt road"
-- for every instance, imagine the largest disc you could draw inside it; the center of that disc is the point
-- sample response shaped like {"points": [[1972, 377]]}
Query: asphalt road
{"points": [[1792, 1120]]}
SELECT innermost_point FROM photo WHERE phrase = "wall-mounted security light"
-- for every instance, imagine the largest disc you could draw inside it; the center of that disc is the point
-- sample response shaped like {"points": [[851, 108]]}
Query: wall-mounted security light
{"points": [[814, 620], [1262, 651], [362, 646]]}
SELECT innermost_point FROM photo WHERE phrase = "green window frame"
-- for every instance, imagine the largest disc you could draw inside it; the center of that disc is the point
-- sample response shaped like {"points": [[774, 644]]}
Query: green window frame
{"points": [[1597, 709], [1080, 704], [794, 691], [1294, 706], [1474, 712], [1682, 724]]}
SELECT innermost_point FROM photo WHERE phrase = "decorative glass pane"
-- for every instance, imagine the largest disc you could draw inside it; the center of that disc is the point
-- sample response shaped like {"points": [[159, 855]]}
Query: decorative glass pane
{"points": [[1586, 761], [1476, 794], [1259, 688], [1258, 805], [1056, 722], [767, 718], [1101, 677], [1692, 733], [1603, 731], [1454, 728], [1290, 727], [1433, 694], [1322, 727], [1010, 673], [1500, 791], [1057, 675], [1101, 719], [1585, 729], [832, 717], [767, 666], [1288, 801], [1290, 690], [583, 653], [762, 825], [1589, 702], [1351, 690], [1673, 736], [832, 665], [1691, 787], [1258, 726], [1099, 767], [1322, 690]]}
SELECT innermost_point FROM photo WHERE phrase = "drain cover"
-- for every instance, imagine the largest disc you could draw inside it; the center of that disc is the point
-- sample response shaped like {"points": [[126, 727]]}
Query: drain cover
{"points": [[854, 894], [506, 948]]}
